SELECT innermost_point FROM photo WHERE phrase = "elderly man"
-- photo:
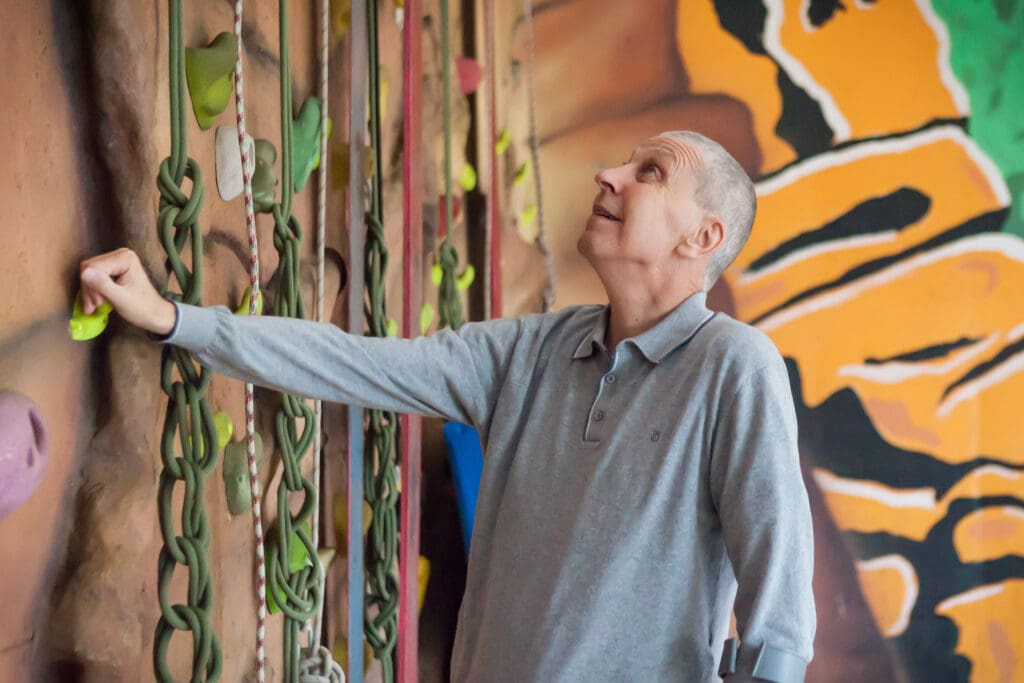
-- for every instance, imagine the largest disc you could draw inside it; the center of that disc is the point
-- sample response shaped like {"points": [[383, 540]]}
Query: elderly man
{"points": [[641, 457]]}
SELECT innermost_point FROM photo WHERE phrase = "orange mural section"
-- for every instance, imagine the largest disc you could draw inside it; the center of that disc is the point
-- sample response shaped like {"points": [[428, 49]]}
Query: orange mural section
{"points": [[966, 289], [876, 86], [943, 165], [991, 636]]}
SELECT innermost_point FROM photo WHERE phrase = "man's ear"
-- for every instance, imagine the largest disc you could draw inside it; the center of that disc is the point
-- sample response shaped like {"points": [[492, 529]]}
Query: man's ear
{"points": [[704, 241]]}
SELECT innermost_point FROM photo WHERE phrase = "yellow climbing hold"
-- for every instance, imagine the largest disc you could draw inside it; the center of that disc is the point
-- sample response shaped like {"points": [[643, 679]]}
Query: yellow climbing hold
{"points": [[209, 73], [526, 229], [423, 576], [84, 327], [465, 279], [224, 429], [436, 274], [467, 179], [521, 172], [341, 16], [392, 327], [504, 140], [426, 318], [243, 309]]}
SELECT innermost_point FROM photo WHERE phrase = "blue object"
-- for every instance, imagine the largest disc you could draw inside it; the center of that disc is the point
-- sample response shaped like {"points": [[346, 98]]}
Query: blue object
{"points": [[466, 456]]}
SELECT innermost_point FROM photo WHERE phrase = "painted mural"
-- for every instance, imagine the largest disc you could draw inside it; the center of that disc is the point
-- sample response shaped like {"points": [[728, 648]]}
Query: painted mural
{"points": [[887, 265]]}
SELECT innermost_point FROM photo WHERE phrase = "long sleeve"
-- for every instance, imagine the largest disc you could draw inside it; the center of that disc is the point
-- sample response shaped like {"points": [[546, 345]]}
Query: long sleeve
{"points": [[451, 374], [766, 524]]}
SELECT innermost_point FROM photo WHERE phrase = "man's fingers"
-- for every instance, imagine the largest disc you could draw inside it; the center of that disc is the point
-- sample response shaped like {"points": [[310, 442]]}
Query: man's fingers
{"points": [[113, 264]]}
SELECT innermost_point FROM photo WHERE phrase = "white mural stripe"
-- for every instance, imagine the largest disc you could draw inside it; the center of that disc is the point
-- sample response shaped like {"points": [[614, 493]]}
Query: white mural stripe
{"points": [[967, 597], [922, 498], [900, 371], [904, 143], [949, 79]]}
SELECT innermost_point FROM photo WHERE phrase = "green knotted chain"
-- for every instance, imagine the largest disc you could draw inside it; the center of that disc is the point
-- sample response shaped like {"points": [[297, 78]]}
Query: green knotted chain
{"points": [[449, 304], [380, 471], [295, 587], [188, 421]]}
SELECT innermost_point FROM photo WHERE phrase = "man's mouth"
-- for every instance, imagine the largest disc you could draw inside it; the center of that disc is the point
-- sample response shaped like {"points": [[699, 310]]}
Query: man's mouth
{"points": [[605, 213]]}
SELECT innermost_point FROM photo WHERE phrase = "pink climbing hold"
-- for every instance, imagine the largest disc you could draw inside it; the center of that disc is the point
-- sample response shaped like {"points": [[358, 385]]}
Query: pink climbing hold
{"points": [[469, 74], [24, 450]]}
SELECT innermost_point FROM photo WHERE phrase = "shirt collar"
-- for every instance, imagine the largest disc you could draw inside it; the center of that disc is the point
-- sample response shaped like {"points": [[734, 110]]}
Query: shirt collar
{"points": [[677, 328]]}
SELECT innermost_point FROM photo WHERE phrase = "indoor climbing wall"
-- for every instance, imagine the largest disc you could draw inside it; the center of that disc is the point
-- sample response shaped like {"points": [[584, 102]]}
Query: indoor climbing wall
{"points": [[79, 564], [885, 262]]}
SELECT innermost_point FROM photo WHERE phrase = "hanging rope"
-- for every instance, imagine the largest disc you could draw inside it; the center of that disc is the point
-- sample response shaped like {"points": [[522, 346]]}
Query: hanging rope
{"points": [[318, 666], [250, 409], [295, 591], [188, 420], [380, 471], [542, 244], [449, 304]]}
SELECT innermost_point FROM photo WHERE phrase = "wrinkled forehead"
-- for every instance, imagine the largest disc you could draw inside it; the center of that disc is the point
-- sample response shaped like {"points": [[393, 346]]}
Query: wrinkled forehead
{"points": [[678, 152]]}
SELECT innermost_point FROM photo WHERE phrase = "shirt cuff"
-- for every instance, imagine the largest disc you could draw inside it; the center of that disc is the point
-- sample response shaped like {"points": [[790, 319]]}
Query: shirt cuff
{"points": [[194, 327]]}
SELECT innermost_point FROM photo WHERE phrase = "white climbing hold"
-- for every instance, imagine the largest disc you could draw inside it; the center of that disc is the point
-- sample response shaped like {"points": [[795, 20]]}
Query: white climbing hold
{"points": [[229, 162]]}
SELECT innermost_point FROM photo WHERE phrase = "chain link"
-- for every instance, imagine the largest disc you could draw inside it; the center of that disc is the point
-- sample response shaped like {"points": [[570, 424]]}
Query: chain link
{"points": [[296, 592], [188, 420]]}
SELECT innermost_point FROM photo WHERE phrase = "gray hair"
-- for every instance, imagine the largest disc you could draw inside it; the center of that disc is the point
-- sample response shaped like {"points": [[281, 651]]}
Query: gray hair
{"points": [[725, 191]]}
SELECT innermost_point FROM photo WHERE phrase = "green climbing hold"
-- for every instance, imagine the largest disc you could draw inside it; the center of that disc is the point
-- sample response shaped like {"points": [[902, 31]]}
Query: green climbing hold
{"points": [[465, 279], [243, 309], [298, 558], [504, 140], [88, 326], [306, 142], [237, 489], [521, 172], [436, 274], [209, 72], [426, 317], [467, 179], [263, 179]]}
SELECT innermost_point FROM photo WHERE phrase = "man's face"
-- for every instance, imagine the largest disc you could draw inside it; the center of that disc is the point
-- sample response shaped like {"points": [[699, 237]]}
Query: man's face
{"points": [[645, 207]]}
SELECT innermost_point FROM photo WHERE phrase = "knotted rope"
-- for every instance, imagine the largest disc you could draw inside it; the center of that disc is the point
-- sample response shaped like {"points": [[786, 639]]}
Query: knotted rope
{"points": [[250, 410], [380, 472], [296, 592], [318, 666], [188, 417]]}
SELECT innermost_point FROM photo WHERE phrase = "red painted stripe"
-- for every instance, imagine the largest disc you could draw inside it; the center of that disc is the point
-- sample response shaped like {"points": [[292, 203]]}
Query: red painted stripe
{"points": [[412, 279]]}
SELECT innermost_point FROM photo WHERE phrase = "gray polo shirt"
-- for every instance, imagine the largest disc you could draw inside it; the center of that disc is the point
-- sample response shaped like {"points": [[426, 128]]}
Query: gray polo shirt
{"points": [[622, 496]]}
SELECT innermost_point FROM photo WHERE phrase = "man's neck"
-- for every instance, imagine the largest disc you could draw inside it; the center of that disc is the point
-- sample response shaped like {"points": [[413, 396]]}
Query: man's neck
{"points": [[634, 310]]}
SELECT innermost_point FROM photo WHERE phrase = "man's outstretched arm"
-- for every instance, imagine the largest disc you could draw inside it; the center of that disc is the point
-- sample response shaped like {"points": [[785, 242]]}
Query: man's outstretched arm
{"points": [[455, 375], [766, 524]]}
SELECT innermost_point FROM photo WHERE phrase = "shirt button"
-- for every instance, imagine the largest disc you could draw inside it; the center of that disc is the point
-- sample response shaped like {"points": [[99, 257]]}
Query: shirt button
{"points": [[599, 415], [610, 379], [655, 435]]}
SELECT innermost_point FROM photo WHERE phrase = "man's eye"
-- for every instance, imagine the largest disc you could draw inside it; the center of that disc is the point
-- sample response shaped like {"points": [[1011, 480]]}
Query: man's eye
{"points": [[650, 169]]}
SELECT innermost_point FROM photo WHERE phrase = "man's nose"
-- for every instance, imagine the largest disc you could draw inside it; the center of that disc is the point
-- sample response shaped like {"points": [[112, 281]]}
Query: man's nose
{"points": [[608, 180]]}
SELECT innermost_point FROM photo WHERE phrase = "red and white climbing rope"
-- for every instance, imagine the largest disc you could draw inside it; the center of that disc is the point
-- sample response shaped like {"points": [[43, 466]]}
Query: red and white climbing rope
{"points": [[254, 297]]}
